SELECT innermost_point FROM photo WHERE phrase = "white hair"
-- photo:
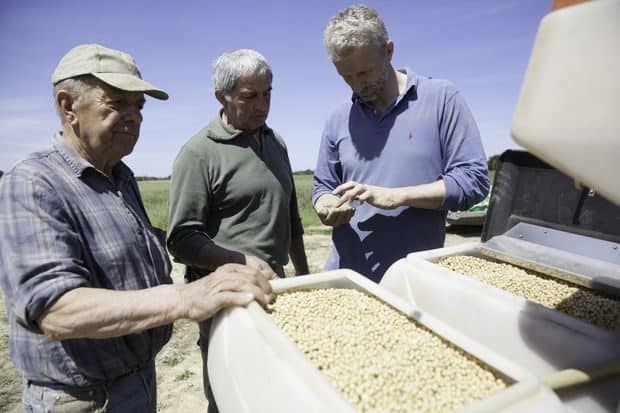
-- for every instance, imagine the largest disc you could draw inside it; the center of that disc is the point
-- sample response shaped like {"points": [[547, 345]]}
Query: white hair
{"points": [[230, 66], [353, 27], [76, 87]]}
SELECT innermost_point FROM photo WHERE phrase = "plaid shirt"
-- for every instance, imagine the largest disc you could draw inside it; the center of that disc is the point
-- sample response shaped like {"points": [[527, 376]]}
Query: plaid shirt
{"points": [[64, 225]]}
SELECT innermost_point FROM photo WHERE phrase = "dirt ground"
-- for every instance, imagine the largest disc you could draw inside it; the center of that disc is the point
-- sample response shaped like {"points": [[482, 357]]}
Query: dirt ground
{"points": [[179, 367]]}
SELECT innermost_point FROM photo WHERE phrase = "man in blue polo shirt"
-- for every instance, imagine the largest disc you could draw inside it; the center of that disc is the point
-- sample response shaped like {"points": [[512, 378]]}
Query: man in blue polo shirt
{"points": [[395, 158]]}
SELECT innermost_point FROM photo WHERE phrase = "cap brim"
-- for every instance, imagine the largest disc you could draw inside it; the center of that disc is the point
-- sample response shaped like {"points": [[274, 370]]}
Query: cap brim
{"points": [[131, 83]]}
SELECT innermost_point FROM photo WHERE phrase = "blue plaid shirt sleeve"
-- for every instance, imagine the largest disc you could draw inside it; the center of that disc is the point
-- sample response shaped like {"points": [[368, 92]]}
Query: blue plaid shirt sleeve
{"points": [[63, 225], [37, 244]]}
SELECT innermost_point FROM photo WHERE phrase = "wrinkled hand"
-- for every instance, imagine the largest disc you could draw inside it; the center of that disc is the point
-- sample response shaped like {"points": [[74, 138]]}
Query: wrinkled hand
{"points": [[384, 198], [260, 265], [331, 212], [229, 285]]}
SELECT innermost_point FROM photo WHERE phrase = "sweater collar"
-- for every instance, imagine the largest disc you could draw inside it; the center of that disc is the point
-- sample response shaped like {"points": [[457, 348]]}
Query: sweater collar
{"points": [[218, 130]]}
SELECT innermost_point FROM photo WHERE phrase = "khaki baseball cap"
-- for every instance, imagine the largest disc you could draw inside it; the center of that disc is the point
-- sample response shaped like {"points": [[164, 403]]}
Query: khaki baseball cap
{"points": [[116, 68]]}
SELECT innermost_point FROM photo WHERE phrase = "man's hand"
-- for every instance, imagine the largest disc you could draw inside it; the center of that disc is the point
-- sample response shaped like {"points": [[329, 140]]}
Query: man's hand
{"points": [[384, 198], [331, 211], [260, 265], [229, 285]]}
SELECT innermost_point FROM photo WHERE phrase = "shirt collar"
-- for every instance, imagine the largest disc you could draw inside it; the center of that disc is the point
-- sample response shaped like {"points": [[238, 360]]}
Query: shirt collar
{"points": [[79, 165], [412, 82]]}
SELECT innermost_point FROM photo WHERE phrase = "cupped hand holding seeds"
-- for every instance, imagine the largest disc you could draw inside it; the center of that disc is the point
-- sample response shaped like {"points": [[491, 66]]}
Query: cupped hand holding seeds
{"points": [[384, 198], [331, 212]]}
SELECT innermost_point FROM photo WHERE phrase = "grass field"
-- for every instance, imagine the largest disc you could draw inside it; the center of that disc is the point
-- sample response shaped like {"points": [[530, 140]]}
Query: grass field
{"points": [[155, 196], [303, 186]]}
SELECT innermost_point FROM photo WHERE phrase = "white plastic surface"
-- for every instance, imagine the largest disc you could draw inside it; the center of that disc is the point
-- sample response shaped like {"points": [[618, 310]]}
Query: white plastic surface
{"points": [[568, 110], [535, 337], [254, 367]]}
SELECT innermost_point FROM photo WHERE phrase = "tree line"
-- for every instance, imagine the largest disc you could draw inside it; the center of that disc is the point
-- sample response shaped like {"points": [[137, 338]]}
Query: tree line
{"points": [[492, 164]]}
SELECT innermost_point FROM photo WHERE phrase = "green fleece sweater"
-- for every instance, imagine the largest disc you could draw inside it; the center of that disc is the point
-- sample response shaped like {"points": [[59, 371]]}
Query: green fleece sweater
{"points": [[236, 190]]}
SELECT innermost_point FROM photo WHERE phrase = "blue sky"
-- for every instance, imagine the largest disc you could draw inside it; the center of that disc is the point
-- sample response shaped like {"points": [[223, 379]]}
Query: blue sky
{"points": [[482, 46]]}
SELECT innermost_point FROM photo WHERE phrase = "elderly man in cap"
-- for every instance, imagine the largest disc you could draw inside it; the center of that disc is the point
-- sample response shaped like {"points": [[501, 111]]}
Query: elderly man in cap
{"points": [[86, 276]]}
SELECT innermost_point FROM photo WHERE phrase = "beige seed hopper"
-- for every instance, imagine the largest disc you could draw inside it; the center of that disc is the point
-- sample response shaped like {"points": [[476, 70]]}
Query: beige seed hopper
{"points": [[541, 340], [254, 367]]}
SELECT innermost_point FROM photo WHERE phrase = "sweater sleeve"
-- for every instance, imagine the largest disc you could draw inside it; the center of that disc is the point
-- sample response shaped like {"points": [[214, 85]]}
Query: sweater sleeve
{"points": [[189, 207], [328, 171], [297, 228], [464, 166]]}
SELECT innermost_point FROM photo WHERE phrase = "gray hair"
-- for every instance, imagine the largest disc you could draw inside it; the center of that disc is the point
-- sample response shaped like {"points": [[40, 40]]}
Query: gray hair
{"points": [[230, 66], [76, 87], [353, 27]]}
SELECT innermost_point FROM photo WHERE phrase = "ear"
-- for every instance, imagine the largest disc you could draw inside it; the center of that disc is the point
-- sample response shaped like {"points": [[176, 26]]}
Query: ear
{"points": [[389, 49], [64, 102], [220, 97]]}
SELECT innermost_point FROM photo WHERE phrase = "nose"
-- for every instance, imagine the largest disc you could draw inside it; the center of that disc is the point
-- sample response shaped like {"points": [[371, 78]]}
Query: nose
{"points": [[362, 81], [133, 114], [357, 83], [262, 104]]}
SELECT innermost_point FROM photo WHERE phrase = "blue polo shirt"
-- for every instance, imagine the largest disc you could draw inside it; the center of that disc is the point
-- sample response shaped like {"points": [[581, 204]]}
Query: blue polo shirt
{"points": [[64, 225], [427, 134]]}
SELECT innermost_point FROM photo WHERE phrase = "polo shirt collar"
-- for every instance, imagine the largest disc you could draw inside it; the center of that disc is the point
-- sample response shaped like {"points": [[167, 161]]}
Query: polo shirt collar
{"points": [[412, 83]]}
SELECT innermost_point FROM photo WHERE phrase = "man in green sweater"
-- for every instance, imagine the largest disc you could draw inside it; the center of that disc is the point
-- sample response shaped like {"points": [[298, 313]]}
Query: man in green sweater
{"points": [[232, 194]]}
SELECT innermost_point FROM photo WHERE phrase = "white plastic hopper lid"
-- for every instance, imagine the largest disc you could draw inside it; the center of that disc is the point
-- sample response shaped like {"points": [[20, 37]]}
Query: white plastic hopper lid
{"points": [[568, 111]]}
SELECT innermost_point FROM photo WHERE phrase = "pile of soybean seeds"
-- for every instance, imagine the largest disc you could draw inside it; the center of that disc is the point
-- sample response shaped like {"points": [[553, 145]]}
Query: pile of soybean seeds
{"points": [[571, 299], [379, 359]]}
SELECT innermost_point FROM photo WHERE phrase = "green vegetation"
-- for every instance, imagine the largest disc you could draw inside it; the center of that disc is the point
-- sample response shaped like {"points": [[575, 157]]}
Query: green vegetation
{"points": [[155, 196], [152, 178], [172, 361], [303, 186], [186, 374], [493, 162]]}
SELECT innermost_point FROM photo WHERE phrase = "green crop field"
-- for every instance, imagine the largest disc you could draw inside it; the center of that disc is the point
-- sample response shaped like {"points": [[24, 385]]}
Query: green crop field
{"points": [[155, 197], [303, 186]]}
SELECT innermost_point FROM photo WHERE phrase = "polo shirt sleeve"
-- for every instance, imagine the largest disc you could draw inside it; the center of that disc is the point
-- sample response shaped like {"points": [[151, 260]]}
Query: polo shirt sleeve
{"points": [[328, 171], [189, 207], [464, 162], [41, 249]]}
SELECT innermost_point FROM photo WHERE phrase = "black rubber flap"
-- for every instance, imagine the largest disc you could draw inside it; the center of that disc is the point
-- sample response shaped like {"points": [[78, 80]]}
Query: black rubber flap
{"points": [[526, 189]]}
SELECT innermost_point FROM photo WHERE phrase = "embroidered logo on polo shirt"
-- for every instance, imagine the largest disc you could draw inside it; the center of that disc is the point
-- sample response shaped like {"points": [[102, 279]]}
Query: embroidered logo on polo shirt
{"points": [[410, 134]]}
